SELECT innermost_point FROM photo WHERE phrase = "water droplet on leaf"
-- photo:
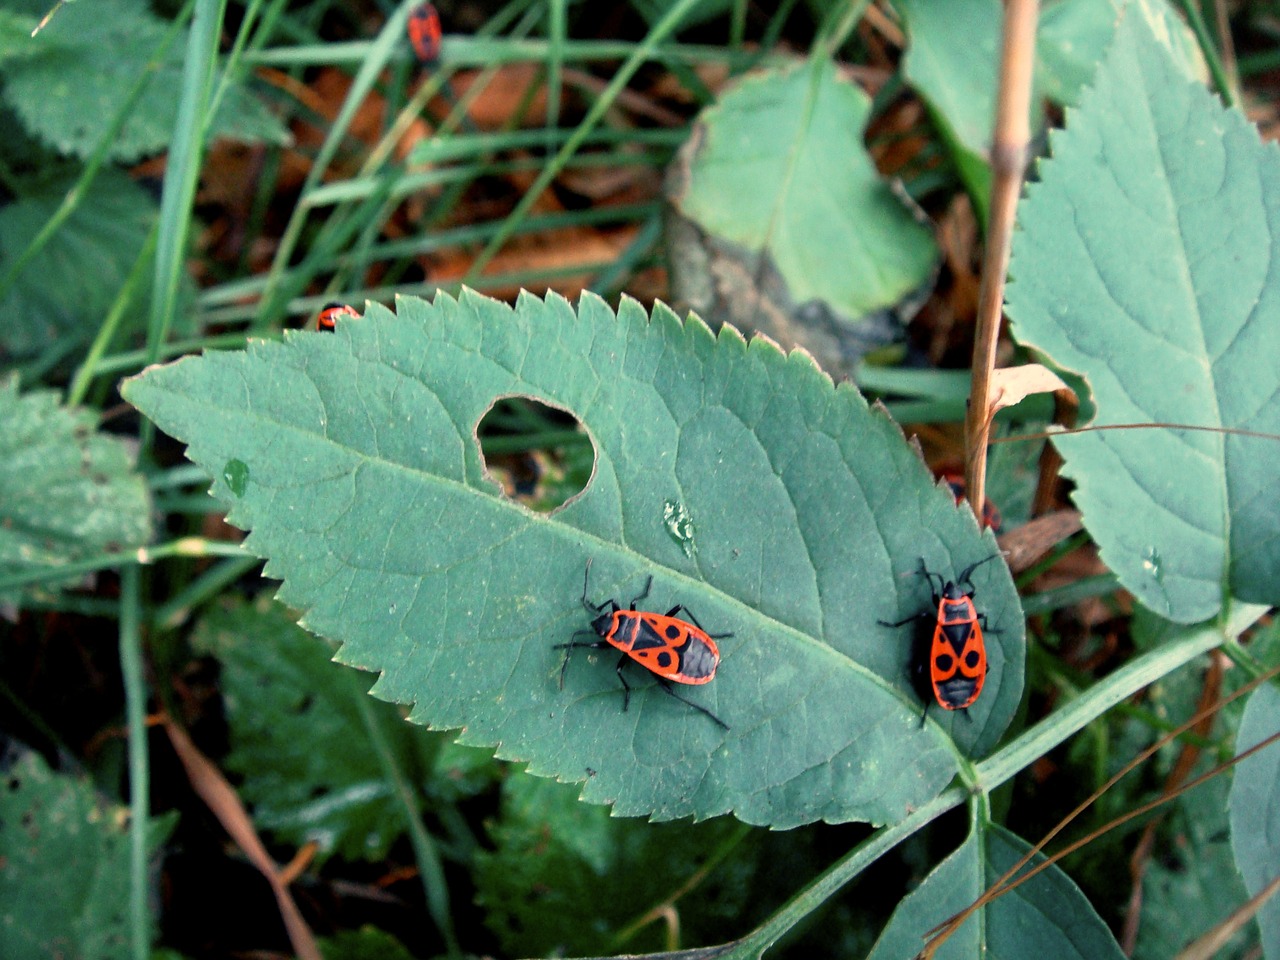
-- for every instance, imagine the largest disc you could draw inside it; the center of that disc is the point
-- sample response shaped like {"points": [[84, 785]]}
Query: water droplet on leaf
{"points": [[1152, 564], [236, 473], [679, 524]]}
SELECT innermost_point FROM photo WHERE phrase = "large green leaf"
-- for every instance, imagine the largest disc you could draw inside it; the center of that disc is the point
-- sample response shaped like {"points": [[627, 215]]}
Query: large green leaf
{"points": [[1147, 262], [1255, 808], [67, 289], [778, 167], [66, 491], [77, 72], [64, 888], [300, 740], [353, 460], [1047, 916]]}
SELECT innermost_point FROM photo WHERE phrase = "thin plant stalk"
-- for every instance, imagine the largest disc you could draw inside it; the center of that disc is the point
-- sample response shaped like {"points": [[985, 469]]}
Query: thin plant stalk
{"points": [[1008, 160], [181, 176], [430, 868], [558, 34], [182, 547], [135, 695], [1221, 79], [106, 333], [378, 53], [663, 28]]}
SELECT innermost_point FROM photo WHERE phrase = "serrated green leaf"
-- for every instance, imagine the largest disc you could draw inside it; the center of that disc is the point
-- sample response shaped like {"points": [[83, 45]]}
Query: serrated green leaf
{"points": [[1146, 261], [541, 885], [1254, 806], [64, 889], [1047, 916], [366, 490], [779, 168], [1072, 37], [80, 68], [954, 58], [68, 288], [66, 491], [298, 737]]}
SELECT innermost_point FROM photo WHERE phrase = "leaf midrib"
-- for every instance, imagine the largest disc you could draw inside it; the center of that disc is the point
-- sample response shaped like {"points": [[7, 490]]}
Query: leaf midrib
{"points": [[1189, 291], [749, 613]]}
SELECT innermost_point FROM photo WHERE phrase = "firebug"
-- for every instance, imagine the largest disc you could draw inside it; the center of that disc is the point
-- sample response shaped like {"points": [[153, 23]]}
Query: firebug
{"points": [[990, 512], [425, 33], [951, 659], [327, 322], [674, 650]]}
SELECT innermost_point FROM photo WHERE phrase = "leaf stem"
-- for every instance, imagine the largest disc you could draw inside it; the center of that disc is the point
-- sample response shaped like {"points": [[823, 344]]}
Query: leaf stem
{"points": [[1119, 686], [430, 867], [182, 547], [998, 768], [849, 866]]}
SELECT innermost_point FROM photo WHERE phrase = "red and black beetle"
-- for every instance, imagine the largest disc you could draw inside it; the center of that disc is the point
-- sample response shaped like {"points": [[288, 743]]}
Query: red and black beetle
{"points": [[327, 322], [675, 650], [951, 659]]}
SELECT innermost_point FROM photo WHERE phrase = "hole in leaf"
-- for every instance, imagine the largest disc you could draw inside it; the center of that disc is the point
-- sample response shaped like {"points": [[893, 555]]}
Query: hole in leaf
{"points": [[541, 455]]}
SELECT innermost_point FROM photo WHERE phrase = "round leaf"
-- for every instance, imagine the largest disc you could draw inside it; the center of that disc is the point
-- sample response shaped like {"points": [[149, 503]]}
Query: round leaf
{"points": [[779, 167]]}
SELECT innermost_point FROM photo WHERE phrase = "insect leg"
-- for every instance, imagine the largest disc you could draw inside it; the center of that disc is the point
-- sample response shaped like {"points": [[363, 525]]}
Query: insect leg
{"points": [[644, 593], [626, 687], [965, 573], [591, 607], [694, 620], [929, 575], [914, 616], [569, 647], [666, 685]]}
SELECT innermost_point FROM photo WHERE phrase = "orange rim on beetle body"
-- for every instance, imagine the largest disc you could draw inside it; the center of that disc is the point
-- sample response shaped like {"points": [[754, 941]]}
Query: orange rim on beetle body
{"points": [[952, 667], [674, 650], [327, 322]]}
